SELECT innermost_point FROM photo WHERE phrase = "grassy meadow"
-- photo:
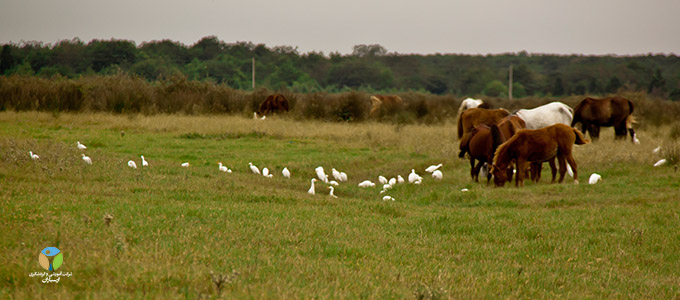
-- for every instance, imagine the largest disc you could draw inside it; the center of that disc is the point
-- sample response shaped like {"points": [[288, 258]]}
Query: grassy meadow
{"points": [[195, 232]]}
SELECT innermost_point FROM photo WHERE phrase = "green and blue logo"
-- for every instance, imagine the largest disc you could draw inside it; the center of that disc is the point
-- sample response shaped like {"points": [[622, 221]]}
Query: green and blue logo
{"points": [[50, 258]]}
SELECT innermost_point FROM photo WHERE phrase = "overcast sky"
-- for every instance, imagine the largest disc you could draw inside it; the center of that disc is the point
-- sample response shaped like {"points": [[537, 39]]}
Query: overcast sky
{"points": [[623, 27]]}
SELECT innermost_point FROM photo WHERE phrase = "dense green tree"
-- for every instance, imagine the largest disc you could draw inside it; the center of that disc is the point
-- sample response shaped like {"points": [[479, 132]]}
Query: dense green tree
{"points": [[7, 59], [112, 52], [613, 85]]}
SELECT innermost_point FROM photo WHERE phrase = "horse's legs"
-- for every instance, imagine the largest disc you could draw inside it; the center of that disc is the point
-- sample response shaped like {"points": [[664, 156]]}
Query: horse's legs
{"points": [[536, 171], [563, 166], [553, 169], [632, 134], [472, 169], [596, 130], [572, 163], [620, 131], [519, 175]]}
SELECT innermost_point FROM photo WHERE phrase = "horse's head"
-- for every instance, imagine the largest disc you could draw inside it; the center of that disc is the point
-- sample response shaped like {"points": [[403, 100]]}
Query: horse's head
{"points": [[500, 174]]}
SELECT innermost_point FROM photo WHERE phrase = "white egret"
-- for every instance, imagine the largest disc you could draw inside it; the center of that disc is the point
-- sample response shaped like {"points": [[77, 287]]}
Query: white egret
{"points": [[433, 168], [382, 179], [333, 182], [336, 174], [392, 181], [144, 162], [311, 189], [366, 183], [321, 174], [485, 170], [185, 165], [418, 181], [343, 176], [81, 146], [464, 190], [437, 175], [400, 179], [132, 164], [265, 172], [222, 167], [413, 177], [285, 173], [254, 169], [386, 186], [387, 198], [331, 193], [660, 162], [635, 139], [33, 156], [594, 178], [87, 159]]}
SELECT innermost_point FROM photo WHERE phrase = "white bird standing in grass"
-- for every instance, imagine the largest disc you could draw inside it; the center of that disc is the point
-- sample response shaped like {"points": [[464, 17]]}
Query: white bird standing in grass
{"points": [[433, 168], [81, 146], [321, 174], [132, 164], [87, 159], [265, 172], [185, 165], [222, 167], [392, 181], [333, 182], [594, 178], [400, 179], [366, 183], [144, 162], [660, 162], [387, 198], [382, 179], [413, 177], [285, 173], [336, 174], [33, 156], [311, 189], [331, 193], [343, 176], [386, 186], [254, 169], [437, 175]]}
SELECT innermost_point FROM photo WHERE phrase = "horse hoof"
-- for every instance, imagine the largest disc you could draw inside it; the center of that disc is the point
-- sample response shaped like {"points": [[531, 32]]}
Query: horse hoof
{"points": [[575, 181]]}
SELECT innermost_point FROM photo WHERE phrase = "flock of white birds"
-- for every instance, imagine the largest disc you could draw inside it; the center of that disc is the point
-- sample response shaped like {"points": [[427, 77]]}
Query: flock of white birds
{"points": [[387, 184]]}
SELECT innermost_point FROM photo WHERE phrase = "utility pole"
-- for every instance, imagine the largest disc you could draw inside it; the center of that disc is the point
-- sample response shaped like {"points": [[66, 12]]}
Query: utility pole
{"points": [[253, 73], [510, 84]]}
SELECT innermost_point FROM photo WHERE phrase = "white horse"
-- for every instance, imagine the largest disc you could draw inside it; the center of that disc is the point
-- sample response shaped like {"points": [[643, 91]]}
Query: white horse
{"points": [[469, 103], [546, 115]]}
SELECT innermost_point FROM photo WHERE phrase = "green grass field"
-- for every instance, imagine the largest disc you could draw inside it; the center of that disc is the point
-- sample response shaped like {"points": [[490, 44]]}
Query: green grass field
{"points": [[173, 227]]}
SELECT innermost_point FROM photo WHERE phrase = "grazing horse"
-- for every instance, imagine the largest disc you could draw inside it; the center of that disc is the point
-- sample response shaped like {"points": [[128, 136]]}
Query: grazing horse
{"points": [[546, 115], [612, 111], [273, 103], [471, 103], [483, 141], [475, 116], [380, 102], [537, 145]]}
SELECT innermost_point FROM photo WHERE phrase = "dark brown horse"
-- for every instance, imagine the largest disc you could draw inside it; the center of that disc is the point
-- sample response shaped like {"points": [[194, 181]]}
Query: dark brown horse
{"points": [[483, 141], [384, 103], [612, 111], [274, 103], [537, 146]]}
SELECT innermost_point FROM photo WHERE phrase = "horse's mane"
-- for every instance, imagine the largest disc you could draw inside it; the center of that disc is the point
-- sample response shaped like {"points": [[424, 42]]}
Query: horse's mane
{"points": [[503, 148]]}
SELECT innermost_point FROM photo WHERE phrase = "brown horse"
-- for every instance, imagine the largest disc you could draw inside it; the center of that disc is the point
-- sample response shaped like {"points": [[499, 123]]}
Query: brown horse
{"points": [[273, 103], [483, 141], [537, 146], [612, 111], [475, 116], [384, 102]]}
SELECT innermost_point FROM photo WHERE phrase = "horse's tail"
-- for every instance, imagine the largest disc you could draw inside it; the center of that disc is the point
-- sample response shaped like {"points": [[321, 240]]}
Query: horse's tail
{"points": [[460, 126], [465, 143], [630, 119], [496, 138], [580, 139]]}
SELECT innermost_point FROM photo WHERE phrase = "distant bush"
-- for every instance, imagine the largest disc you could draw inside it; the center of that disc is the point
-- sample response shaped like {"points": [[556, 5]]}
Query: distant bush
{"points": [[121, 93]]}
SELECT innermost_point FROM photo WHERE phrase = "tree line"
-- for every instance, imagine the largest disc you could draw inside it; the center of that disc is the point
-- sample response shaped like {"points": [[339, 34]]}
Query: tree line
{"points": [[369, 68]]}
